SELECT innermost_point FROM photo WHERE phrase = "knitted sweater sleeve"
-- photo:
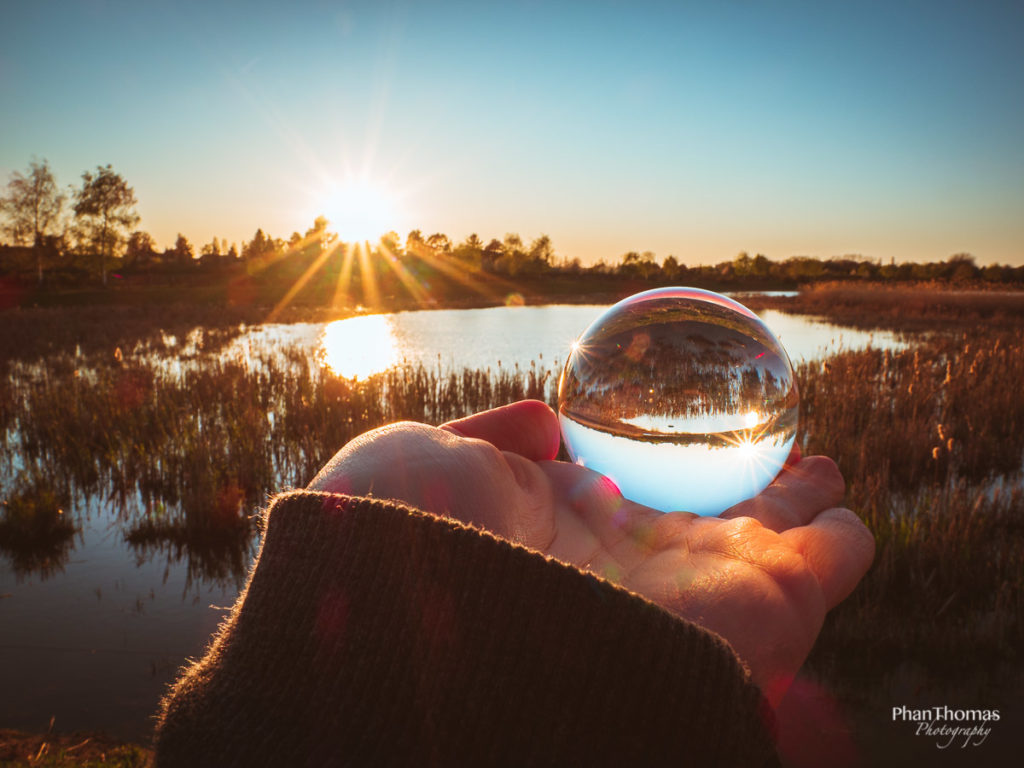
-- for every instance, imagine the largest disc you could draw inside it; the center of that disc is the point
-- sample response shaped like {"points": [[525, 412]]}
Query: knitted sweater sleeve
{"points": [[371, 633]]}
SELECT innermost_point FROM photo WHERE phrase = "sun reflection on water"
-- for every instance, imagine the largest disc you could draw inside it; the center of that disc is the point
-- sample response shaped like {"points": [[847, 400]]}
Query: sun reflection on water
{"points": [[358, 347]]}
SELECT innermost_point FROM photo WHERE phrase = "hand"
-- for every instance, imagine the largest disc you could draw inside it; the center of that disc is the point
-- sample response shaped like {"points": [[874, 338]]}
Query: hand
{"points": [[762, 575]]}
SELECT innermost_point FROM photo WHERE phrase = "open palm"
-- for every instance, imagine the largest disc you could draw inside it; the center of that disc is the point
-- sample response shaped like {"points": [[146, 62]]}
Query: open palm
{"points": [[762, 575]]}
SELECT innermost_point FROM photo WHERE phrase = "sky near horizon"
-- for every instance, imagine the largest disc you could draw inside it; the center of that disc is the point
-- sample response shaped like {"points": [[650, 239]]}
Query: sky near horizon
{"points": [[893, 130]]}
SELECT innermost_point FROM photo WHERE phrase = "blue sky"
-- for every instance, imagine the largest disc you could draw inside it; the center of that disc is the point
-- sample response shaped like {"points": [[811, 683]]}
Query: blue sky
{"points": [[700, 129]]}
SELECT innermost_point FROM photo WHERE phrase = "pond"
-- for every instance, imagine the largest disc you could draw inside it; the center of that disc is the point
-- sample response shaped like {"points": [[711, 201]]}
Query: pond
{"points": [[498, 336], [104, 597]]}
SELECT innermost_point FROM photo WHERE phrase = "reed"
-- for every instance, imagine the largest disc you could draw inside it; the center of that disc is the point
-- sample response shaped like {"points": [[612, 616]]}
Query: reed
{"points": [[916, 307], [931, 441]]}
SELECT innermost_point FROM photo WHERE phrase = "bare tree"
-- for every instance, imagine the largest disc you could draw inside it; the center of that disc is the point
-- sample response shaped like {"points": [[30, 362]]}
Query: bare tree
{"points": [[105, 209], [31, 209]]}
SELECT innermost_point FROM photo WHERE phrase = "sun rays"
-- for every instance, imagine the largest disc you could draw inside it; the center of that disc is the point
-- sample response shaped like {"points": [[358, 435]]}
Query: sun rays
{"points": [[366, 266], [421, 274], [299, 284]]}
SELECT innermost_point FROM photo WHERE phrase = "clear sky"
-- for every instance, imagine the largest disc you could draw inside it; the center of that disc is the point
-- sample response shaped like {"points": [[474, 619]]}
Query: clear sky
{"points": [[698, 129]]}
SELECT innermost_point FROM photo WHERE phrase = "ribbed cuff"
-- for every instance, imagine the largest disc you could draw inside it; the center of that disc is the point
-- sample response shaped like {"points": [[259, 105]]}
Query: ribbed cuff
{"points": [[371, 633]]}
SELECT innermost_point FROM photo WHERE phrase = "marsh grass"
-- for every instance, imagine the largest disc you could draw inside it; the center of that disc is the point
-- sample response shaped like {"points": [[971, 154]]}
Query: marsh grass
{"points": [[916, 307], [185, 455], [931, 441]]}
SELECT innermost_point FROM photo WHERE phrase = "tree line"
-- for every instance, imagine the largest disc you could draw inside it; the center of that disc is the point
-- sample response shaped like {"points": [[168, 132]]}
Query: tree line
{"points": [[35, 217], [79, 236]]}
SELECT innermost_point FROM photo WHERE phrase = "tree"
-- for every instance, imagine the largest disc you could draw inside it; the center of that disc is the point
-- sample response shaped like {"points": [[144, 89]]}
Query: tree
{"points": [[140, 249], [413, 241], [317, 239], [961, 267], [742, 265], [761, 266], [439, 242], [105, 209], [183, 254], [642, 265], [513, 257], [513, 242], [670, 267], [391, 243], [491, 253], [470, 252], [258, 247], [542, 252], [212, 248], [31, 208], [209, 254]]}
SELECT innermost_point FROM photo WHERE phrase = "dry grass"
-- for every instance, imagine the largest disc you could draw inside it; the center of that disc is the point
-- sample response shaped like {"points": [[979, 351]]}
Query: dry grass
{"points": [[902, 307], [931, 441], [187, 456], [73, 750]]}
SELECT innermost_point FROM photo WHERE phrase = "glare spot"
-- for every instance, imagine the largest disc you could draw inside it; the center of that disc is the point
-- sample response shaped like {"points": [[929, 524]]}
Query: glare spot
{"points": [[361, 211], [746, 450], [358, 347]]}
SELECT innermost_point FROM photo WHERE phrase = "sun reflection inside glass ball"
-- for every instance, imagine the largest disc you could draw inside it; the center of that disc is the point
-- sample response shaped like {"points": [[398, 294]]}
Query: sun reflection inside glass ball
{"points": [[682, 397]]}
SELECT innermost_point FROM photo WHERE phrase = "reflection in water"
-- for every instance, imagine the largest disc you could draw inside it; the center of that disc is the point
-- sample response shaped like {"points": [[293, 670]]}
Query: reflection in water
{"points": [[683, 397], [36, 534], [701, 479], [211, 555], [359, 347]]}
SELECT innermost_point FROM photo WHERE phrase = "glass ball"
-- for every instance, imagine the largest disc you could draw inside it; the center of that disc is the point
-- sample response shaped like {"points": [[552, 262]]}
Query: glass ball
{"points": [[682, 397]]}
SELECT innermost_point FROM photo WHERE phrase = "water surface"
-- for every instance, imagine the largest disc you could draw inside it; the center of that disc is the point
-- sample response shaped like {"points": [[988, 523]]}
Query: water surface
{"points": [[500, 336]]}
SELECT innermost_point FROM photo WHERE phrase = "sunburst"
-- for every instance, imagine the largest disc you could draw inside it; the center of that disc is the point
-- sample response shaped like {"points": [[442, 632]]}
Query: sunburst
{"points": [[363, 211]]}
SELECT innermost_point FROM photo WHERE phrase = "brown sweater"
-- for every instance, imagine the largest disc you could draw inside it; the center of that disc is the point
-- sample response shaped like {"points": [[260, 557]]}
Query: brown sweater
{"points": [[374, 634]]}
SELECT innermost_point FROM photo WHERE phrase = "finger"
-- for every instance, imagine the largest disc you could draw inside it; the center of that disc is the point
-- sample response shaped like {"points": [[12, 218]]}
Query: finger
{"points": [[838, 548], [534, 522], [798, 494], [528, 428]]}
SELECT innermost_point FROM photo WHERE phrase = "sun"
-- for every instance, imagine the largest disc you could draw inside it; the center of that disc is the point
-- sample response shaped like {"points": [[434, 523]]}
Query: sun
{"points": [[361, 210]]}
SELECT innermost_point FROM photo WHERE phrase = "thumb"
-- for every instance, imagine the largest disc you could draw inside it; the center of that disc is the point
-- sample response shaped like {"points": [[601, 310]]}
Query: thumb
{"points": [[528, 428]]}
